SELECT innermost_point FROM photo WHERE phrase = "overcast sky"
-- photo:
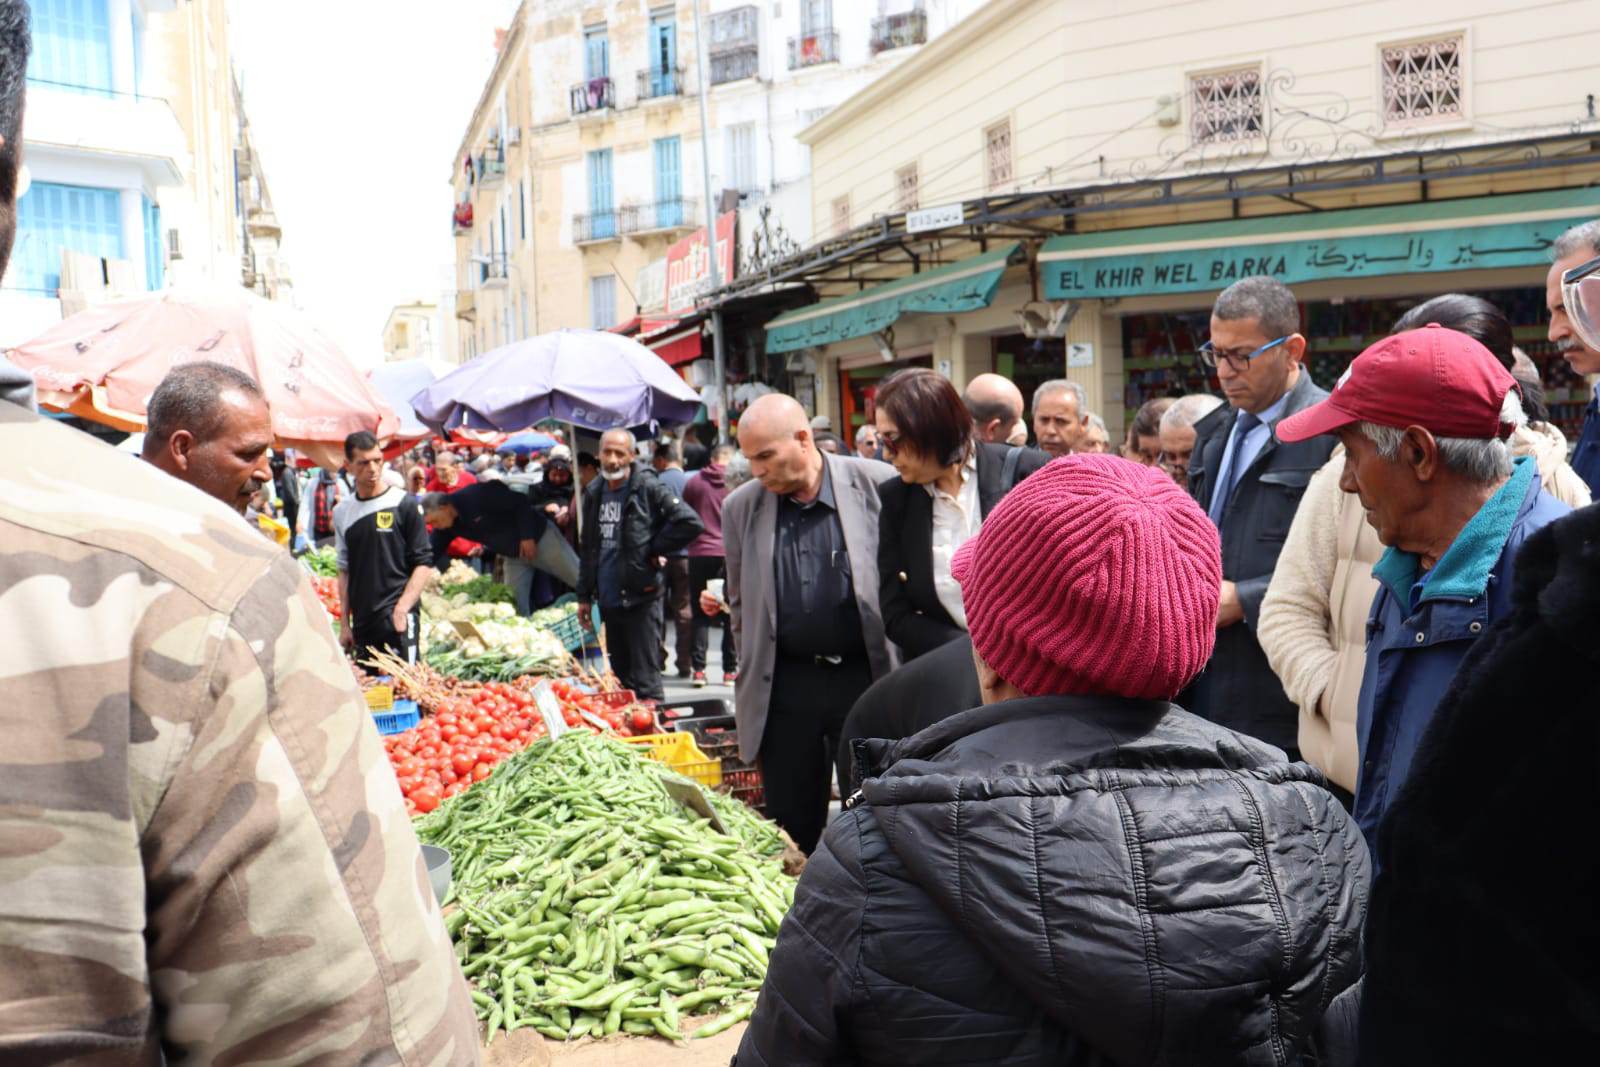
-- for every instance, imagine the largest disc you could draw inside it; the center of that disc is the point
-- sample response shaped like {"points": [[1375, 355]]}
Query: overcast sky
{"points": [[356, 109]]}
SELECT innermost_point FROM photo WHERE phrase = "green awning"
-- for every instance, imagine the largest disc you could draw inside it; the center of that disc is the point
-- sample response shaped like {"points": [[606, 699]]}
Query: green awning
{"points": [[1473, 233], [965, 285]]}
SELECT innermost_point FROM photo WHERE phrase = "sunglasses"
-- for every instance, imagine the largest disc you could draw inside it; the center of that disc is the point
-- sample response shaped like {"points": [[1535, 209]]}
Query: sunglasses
{"points": [[1580, 296]]}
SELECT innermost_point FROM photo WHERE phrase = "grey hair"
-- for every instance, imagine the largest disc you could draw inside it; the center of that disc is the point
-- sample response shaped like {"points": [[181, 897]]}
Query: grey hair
{"points": [[190, 398], [432, 502], [1062, 385], [1264, 299], [1583, 238], [1097, 423], [1188, 410], [447, 458], [865, 429], [738, 471], [633, 442], [1480, 460]]}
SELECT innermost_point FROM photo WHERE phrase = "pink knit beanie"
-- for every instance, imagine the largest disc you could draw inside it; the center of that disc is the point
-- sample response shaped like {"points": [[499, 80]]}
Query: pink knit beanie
{"points": [[1094, 575]]}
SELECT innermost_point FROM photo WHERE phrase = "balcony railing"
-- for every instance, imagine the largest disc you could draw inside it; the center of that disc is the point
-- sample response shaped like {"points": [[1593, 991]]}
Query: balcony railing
{"points": [[662, 215], [494, 272], [655, 84], [898, 31], [736, 64], [491, 165], [595, 226], [592, 95], [813, 49], [461, 217]]}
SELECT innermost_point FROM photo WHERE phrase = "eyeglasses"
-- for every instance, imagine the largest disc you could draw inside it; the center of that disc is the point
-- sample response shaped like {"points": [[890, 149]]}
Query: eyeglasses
{"points": [[889, 443], [1580, 297], [1239, 362]]}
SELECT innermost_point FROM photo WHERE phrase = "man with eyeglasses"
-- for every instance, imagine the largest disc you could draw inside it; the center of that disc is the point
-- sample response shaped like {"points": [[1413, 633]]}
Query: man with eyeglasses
{"points": [[1571, 252], [1250, 484]]}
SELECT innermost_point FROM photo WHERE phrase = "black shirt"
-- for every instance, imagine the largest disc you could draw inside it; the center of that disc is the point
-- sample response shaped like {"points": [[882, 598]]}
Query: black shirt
{"points": [[496, 516], [380, 541], [817, 613]]}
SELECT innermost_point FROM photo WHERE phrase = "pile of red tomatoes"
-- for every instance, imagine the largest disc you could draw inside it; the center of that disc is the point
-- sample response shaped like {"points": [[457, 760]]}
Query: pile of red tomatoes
{"points": [[328, 592], [467, 736]]}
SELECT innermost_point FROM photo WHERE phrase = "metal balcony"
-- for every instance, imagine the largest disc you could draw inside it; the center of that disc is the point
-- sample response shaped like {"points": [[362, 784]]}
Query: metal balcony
{"points": [[814, 49], [657, 84], [491, 166], [736, 64], [663, 216], [899, 31], [593, 95], [594, 227], [494, 272]]}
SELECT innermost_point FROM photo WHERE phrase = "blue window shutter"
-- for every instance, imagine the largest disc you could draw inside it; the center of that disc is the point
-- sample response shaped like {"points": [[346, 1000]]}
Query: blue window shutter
{"points": [[56, 218], [669, 182], [154, 253], [596, 57], [600, 205], [71, 45]]}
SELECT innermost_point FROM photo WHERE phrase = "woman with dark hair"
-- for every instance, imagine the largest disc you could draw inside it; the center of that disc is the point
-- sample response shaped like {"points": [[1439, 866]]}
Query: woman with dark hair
{"points": [[1313, 623], [948, 482], [1143, 444]]}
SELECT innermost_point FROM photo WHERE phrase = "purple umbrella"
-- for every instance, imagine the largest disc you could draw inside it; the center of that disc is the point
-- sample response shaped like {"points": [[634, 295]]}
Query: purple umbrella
{"points": [[593, 379]]}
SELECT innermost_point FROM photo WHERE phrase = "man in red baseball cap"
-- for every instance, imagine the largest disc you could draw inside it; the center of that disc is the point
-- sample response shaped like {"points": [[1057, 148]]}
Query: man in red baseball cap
{"points": [[1423, 417]]}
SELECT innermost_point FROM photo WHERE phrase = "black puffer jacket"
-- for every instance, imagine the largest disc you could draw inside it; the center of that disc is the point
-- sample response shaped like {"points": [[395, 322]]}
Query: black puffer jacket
{"points": [[655, 523], [1069, 880]]}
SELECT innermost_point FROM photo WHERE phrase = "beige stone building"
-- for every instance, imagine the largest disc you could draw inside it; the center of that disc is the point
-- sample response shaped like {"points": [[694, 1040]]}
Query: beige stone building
{"points": [[1056, 189], [408, 333], [139, 172]]}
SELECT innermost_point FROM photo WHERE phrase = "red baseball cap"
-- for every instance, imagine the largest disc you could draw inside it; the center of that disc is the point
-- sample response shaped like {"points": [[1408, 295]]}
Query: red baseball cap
{"points": [[1439, 379]]}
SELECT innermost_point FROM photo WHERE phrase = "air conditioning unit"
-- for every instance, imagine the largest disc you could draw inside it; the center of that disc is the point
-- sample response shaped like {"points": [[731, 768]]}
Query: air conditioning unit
{"points": [[174, 244]]}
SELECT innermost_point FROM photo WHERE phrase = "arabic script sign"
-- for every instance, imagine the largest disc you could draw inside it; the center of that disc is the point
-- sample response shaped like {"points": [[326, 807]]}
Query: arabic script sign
{"points": [[1516, 244]]}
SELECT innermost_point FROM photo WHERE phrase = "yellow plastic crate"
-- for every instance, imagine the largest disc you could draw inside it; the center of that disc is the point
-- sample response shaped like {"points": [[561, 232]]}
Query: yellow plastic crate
{"points": [[380, 698], [680, 752]]}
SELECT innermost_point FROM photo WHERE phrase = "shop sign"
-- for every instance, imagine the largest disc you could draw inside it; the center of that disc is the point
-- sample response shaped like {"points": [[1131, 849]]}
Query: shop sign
{"points": [[689, 265], [1517, 244], [1080, 354], [935, 218], [651, 285]]}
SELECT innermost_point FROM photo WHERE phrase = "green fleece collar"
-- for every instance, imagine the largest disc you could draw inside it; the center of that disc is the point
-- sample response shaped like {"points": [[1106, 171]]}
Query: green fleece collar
{"points": [[1463, 572]]}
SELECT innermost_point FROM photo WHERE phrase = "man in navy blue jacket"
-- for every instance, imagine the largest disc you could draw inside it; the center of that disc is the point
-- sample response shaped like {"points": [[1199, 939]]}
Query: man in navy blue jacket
{"points": [[1423, 416], [1574, 248]]}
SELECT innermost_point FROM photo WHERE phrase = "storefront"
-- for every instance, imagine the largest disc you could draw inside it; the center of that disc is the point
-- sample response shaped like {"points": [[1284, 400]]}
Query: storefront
{"points": [[1356, 271]]}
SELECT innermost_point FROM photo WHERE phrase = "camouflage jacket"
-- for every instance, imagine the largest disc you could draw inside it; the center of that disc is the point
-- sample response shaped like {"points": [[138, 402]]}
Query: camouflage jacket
{"points": [[203, 854]]}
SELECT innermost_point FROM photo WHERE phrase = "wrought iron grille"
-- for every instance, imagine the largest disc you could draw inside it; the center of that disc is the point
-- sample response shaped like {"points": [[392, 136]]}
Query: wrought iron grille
{"points": [[997, 154], [1422, 82], [1225, 106]]}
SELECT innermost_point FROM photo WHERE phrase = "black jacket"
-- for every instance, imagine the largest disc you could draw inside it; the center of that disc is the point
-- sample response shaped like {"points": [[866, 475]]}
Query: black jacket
{"points": [[908, 700], [655, 522], [912, 614], [1483, 943], [1064, 881], [1238, 688]]}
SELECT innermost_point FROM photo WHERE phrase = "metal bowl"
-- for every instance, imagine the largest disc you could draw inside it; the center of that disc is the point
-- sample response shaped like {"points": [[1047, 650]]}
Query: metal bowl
{"points": [[438, 862]]}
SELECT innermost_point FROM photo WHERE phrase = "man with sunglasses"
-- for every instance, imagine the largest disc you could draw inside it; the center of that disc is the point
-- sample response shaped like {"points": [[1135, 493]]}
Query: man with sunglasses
{"points": [[1571, 252], [1250, 484]]}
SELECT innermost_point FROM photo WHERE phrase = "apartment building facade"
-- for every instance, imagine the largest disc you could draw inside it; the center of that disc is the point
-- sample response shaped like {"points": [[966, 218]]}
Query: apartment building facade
{"points": [[597, 113], [132, 146]]}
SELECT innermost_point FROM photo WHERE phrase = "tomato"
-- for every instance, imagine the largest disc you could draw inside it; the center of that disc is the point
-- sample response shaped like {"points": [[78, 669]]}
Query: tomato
{"points": [[411, 807], [446, 718], [426, 799], [461, 761], [408, 768], [642, 721], [481, 771]]}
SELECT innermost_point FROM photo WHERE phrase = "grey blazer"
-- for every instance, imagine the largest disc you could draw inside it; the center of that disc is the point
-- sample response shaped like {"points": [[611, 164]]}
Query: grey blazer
{"points": [[749, 529]]}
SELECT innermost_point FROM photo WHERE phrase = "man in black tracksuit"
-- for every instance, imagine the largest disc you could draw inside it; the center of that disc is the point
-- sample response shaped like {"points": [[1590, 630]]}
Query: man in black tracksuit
{"points": [[631, 522]]}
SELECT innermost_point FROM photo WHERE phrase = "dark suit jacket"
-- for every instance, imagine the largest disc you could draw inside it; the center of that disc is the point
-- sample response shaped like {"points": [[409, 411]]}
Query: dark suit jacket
{"points": [[1238, 688], [912, 614]]}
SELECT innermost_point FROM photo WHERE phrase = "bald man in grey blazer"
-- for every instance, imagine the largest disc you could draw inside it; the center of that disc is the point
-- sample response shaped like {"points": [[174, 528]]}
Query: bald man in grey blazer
{"points": [[802, 555]]}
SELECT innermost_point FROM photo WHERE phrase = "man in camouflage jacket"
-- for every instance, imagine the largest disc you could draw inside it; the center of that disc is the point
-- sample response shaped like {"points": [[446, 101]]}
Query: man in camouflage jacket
{"points": [[202, 848]]}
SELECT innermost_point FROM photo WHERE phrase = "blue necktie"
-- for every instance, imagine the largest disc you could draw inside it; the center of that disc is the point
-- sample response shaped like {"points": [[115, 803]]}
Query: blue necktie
{"points": [[1228, 477]]}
